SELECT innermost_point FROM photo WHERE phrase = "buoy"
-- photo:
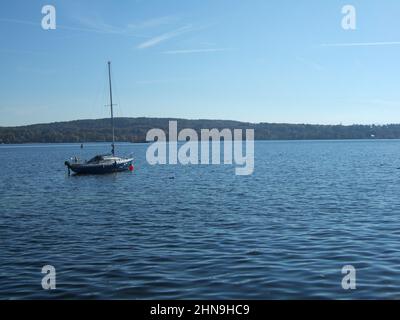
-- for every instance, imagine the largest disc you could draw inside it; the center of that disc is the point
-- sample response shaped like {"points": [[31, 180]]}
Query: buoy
{"points": [[131, 168]]}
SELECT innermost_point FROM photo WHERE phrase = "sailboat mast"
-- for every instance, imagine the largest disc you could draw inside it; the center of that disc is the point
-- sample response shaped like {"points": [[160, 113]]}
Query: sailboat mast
{"points": [[112, 110]]}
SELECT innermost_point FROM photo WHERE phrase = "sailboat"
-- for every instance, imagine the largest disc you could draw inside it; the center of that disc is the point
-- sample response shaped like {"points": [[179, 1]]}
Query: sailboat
{"points": [[102, 164]]}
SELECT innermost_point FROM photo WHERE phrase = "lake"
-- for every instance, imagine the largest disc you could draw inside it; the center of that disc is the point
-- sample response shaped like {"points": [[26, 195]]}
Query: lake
{"points": [[201, 232]]}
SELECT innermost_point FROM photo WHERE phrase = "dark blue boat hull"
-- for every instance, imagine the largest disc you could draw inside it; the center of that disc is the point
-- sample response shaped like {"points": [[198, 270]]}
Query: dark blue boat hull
{"points": [[98, 169]]}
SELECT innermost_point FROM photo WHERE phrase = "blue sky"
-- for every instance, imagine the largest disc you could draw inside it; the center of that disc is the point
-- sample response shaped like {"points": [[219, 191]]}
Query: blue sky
{"points": [[257, 60]]}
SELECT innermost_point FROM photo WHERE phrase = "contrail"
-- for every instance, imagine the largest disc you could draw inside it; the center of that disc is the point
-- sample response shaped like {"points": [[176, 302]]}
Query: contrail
{"points": [[164, 37], [188, 51], [361, 44]]}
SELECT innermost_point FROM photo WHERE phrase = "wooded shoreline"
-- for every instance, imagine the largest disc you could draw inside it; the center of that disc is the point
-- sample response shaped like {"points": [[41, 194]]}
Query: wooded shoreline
{"points": [[135, 130]]}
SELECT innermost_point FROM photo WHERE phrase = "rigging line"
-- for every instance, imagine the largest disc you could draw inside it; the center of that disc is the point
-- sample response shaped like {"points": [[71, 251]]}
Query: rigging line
{"points": [[118, 112], [112, 107], [104, 99], [117, 99]]}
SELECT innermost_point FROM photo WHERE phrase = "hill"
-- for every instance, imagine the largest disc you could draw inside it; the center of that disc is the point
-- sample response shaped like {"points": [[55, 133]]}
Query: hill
{"points": [[135, 129]]}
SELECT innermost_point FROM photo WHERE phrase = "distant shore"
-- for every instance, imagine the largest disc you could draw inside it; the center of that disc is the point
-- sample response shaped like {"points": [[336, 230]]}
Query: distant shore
{"points": [[134, 130]]}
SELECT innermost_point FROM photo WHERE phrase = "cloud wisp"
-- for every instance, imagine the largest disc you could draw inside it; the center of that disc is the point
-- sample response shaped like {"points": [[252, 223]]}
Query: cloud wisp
{"points": [[164, 37], [99, 26], [190, 51], [152, 23], [361, 44], [19, 22]]}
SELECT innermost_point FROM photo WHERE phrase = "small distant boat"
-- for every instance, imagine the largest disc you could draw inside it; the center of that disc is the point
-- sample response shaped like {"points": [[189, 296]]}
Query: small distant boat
{"points": [[102, 164]]}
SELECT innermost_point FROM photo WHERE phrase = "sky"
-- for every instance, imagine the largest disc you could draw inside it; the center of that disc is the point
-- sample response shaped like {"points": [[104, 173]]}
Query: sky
{"points": [[249, 60]]}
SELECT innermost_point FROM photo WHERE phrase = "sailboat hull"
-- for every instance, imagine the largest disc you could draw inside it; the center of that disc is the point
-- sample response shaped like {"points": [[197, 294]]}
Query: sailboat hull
{"points": [[100, 168]]}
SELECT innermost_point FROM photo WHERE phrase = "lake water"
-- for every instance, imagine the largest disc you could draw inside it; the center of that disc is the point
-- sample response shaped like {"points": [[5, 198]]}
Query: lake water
{"points": [[191, 232]]}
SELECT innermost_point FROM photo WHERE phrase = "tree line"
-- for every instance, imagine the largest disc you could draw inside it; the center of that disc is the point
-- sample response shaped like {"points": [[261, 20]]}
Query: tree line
{"points": [[135, 130]]}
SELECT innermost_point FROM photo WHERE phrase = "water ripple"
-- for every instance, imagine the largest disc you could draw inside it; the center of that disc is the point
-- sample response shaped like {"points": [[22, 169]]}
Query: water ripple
{"points": [[175, 232]]}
